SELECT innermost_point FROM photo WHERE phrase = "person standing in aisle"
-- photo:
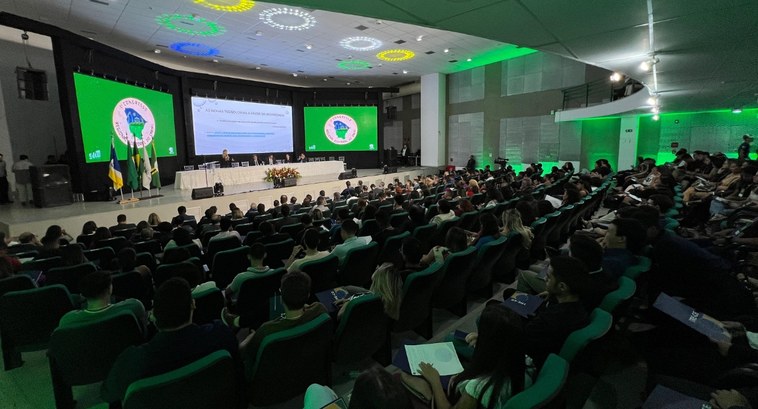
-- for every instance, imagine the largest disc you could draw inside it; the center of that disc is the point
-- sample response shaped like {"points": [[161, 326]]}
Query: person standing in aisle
{"points": [[23, 179]]}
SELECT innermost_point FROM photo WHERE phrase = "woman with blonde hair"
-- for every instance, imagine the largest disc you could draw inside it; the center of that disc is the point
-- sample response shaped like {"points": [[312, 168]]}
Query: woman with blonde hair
{"points": [[512, 223], [387, 283], [153, 219]]}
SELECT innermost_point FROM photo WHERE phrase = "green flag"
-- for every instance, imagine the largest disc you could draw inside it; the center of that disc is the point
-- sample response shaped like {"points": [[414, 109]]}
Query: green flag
{"points": [[154, 167], [140, 165], [132, 177]]}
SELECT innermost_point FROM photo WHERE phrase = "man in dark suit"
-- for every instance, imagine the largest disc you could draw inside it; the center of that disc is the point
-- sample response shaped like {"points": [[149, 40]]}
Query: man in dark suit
{"points": [[226, 160], [121, 224], [302, 158]]}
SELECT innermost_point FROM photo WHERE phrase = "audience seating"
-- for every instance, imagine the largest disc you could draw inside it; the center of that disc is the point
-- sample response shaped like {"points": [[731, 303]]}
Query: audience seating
{"points": [[206, 383], [416, 304], [600, 323], [451, 290], [359, 265], [255, 295], [390, 251], [369, 227], [398, 219], [324, 240], [208, 305], [146, 259], [28, 317], [69, 276], [277, 253], [424, 234], [307, 351], [244, 228], [323, 272], [292, 229], [167, 271], [116, 243], [215, 246], [132, 285], [481, 272], [228, 263], [251, 237], [192, 248], [546, 389], [363, 330], [41, 264], [22, 248], [150, 246], [84, 353], [16, 283], [101, 256], [643, 266], [442, 229], [625, 291]]}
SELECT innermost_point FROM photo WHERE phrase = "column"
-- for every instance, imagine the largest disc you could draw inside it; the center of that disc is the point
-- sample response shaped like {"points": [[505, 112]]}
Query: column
{"points": [[433, 119], [628, 133]]}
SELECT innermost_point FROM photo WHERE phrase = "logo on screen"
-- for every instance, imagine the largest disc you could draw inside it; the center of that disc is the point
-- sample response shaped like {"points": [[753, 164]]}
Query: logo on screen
{"points": [[341, 129], [133, 120]]}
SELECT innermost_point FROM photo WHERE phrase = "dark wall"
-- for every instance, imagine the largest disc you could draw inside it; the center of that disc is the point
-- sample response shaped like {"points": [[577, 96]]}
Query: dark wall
{"points": [[73, 53]]}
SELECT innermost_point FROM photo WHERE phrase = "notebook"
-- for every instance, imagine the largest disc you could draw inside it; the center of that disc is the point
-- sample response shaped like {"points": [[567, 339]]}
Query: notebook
{"points": [[691, 318], [523, 304]]}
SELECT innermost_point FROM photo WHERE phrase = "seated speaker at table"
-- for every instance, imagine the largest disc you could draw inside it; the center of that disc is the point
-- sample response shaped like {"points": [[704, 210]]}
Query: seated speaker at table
{"points": [[255, 161], [226, 160]]}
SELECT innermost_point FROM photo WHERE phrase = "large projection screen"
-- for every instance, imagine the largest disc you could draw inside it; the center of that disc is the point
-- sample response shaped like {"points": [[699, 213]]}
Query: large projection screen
{"points": [[240, 127]]}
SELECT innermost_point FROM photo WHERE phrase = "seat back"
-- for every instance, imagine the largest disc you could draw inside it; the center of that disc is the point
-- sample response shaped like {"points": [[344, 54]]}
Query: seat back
{"points": [[416, 305], [308, 346], [146, 259], [369, 227], [277, 252], [81, 354], [206, 383], [626, 289], [323, 272], [215, 246], [468, 220], [22, 248], [208, 305], [167, 271], [456, 270], [151, 246], [424, 234], [251, 237], [363, 329], [359, 265], [391, 249], [41, 264], [643, 265], [69, 276], [291, 229], [131, 285], [398, 219], [487, 256], [116, 243], [16, 283], [28, 317], [229, 263], [244, 228], [254, 295], [600, 323], [444, 227], [545, 389]]}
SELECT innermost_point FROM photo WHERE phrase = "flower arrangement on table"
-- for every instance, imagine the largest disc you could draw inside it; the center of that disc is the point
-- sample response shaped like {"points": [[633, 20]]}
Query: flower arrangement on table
{"points": [[274, 174]]}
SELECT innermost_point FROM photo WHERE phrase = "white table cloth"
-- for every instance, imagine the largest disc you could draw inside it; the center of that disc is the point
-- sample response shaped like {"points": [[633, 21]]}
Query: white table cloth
{"points": [[187, 180]]}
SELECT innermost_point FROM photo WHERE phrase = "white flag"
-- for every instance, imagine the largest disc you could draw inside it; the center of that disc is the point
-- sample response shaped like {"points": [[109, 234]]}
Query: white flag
{"points": [[147, 174]]}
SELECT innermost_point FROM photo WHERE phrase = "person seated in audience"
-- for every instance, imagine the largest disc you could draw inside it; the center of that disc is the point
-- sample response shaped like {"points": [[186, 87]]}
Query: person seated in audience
{"points": [[512, 223], [727, 182], [600, 283], [349, 240], [163, 233], [307, 221], [320, 204], [373, 389], [72, 255], [623, 240], [29, 237], [498, 368], [126, 261], [251, 212], [269, 234], [143, 234], [335, 237], [181, 237], [177, 343], [348, 190], [527, 211], [296, 290], [286, 218], [212, 223], [369, 213], [463, 206], [256, 256], [386, 230], [489, 230], [50, 248], [309, 247], [358, 206], [121, 224], [88, 228], [153, 219], [226, 231], [97, 289], [293, 205], [237, 214], [744, 194], [415, 218], [58, 234], [410, 254], [182, 216], [194, 277], [444, 212], [387, 283], [564, 313], [6, 268], [455, 241], [11, 261]]}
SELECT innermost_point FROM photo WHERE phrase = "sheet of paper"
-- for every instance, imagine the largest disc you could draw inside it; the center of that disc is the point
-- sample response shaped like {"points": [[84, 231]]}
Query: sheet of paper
{"points": [[441, 355]]}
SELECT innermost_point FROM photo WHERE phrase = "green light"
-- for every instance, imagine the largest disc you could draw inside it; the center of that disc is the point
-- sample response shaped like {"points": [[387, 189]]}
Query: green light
{"points": [[172, 21], [498, 54], [354, 65]]}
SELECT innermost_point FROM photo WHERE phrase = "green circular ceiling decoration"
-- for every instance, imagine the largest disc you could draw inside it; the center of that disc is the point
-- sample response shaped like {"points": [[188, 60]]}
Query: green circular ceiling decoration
{"points": [[189, 24]]}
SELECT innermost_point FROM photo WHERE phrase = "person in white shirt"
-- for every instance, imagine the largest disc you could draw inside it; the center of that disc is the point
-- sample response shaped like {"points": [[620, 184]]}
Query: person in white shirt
{"points": [[256, 256], [226, 230], [310, 245], [349, 240], [444, 212], [23, 179]]}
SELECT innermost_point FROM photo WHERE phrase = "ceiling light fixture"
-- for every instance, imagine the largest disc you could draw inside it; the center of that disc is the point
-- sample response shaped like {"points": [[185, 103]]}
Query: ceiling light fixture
{"points": [[269, 17], [656, 117], [616, 77], [405, 71], [653, 100], [649, 63], [395, 55], [196, 49], [294, 74], [656, 109], [347, 83], [172, 21], [308, 47], [420, 38], [360, 43], [157, 51], [354, 65], [242, 5], [447, 50], [468, 59]]}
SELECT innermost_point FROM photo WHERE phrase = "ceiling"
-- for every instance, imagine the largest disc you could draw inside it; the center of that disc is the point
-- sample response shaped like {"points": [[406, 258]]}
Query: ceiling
{"points": [[707, 49]]}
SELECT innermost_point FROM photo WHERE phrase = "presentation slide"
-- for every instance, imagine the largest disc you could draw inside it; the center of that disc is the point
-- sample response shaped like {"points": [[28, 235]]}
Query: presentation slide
{"points": [[240, 127], [110, 109], [341, 129]]}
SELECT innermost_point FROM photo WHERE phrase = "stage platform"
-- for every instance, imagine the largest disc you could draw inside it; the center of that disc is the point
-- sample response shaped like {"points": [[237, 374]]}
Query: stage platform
{"points": [[16, 219]]}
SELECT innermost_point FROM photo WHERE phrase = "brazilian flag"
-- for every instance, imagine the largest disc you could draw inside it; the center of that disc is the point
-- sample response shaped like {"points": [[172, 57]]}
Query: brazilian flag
{"points": [[132, 177]]}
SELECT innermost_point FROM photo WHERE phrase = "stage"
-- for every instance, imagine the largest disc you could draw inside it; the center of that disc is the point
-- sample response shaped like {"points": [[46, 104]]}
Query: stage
{"points": [[15, 219]]}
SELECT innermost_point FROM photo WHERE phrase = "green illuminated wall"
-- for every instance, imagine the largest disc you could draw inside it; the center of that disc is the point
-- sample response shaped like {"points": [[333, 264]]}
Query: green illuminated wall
{"points": [[712, 131], [600, 139]]}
